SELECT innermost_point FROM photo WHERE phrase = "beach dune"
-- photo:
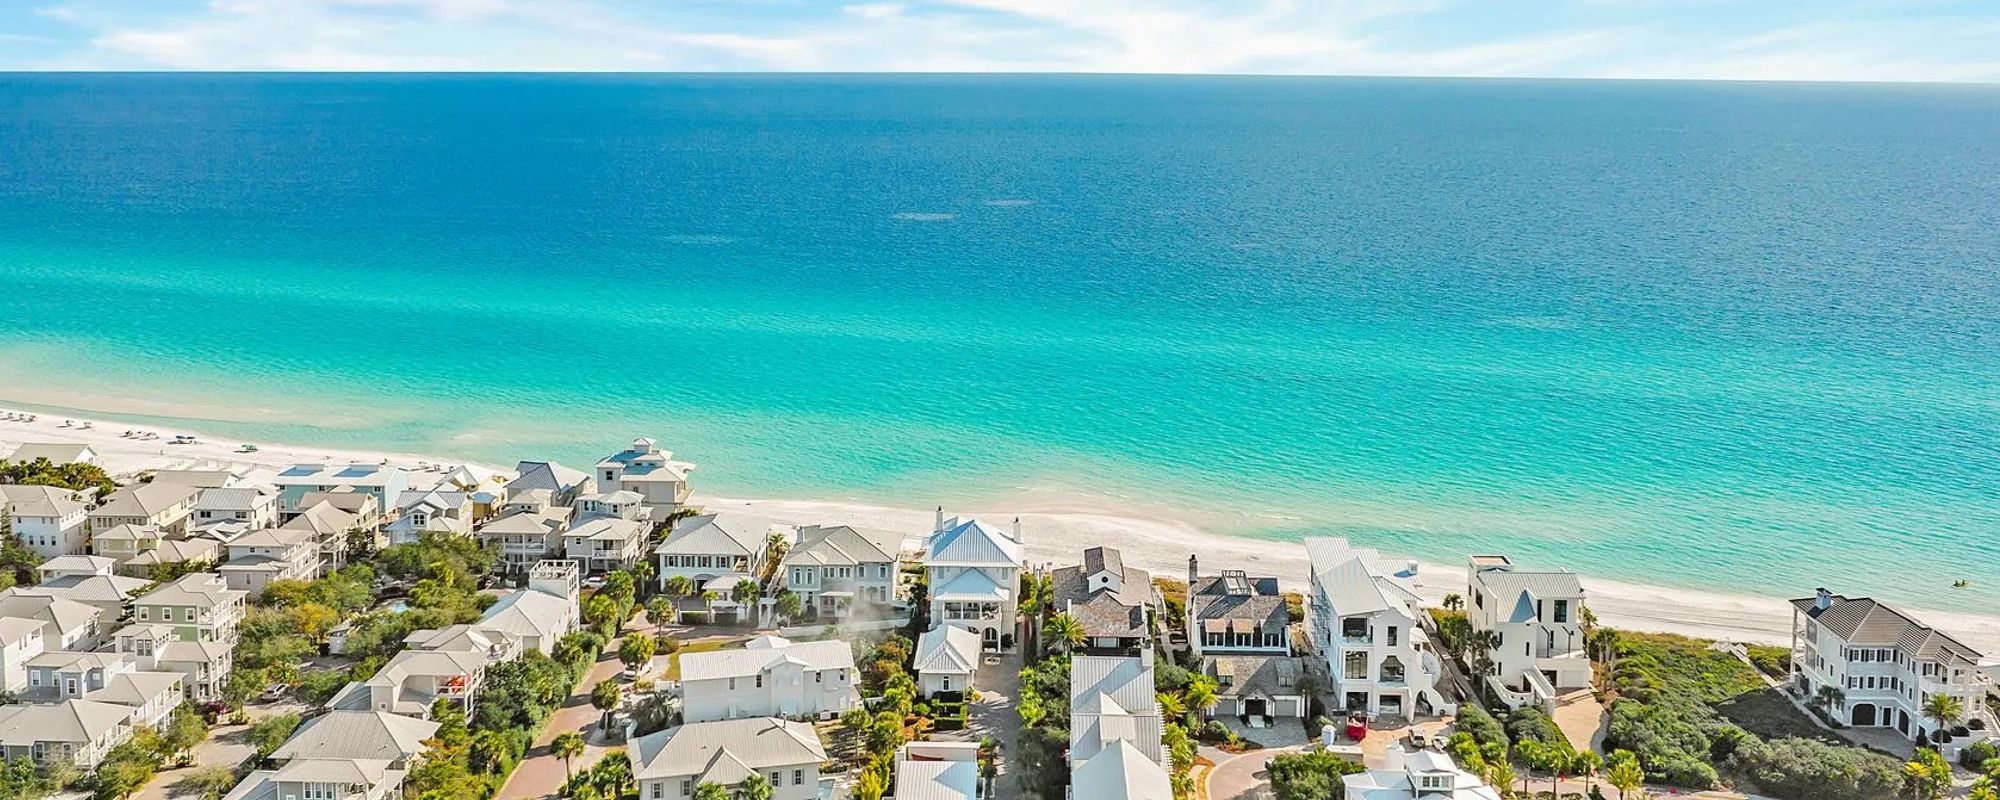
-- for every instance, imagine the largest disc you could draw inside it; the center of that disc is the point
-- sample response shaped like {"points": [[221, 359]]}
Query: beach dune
{"points": [[1052, 533]]}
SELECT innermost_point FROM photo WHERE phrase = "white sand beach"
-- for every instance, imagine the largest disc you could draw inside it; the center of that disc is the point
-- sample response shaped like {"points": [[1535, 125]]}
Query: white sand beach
{"points": [[1053, 533]]}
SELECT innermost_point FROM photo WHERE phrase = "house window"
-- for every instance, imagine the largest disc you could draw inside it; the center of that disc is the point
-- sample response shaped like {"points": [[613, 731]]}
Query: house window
{"points": [[687, 786], [1391, 637], [1562, 610], [798, 777], [760, 680], [659, 791], [777, 778], [143, 611]]}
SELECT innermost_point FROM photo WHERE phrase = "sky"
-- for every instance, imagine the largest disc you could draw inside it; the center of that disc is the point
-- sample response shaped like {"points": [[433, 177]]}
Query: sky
{"points": [[1828, 40]]}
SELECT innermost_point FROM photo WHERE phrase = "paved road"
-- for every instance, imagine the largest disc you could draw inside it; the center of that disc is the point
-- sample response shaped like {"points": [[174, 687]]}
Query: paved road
{"points": [[1242, 777], [226, 746], [541, 774], [994, 716]]}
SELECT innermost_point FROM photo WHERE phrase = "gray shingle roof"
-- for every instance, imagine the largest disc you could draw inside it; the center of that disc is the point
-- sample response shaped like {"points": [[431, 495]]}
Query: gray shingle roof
{"points": [[1863, 621], [1234, 596]]}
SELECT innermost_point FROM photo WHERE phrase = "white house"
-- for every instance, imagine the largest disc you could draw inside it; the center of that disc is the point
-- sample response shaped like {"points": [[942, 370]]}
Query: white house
{"points": [[46, 519], [668, 765], [322, 779], [80, 732], [164, 506], [770, 677], [1121, 771], [109, 594], [975, 571], [544, 611], [562, 483], [603, 544], [204, 665], [651, 472], [1538, 618], [21, 639], [250, 505], [1363, 615], [435, 511], [332, 526], [341, 755], [1408, 773], [70, 625], [382, 482], [947, 657], [74, 566], [837, 570], [260, 557], [1112, 699], [412, 681], [212, 477], [1881, 664], [704, 547], [527, 531], [55, 453], [937, 771], [56, 677]]}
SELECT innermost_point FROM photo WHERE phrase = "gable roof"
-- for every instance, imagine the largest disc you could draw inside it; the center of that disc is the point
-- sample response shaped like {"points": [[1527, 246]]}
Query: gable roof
{"points": [[546, 475], [90, 589], [765, 652], [527, 612], [532, 523], [144, 500], [55, 452], [1509, 585], [948, 648], [723, 532], [178, 551], [919, 779], [137, 688], [198, 478], [233, 498], [201, 589], [1864, 621], [358, 734], [73, 721], [971, 543], [127, 531], [40, 501], [723, 751], [321, 518], [1121, 772], [607, 529], [841, 545], [1359, 581], [77, 565], [67, 615]]}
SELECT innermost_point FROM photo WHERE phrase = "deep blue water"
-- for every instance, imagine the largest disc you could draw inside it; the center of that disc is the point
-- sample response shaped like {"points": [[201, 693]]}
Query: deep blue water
{"points": [[1740, 336]]}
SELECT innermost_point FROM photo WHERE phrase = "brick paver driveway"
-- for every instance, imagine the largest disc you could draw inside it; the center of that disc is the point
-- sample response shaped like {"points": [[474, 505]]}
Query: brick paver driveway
{"points": [[1242, 777], [541, 774]]}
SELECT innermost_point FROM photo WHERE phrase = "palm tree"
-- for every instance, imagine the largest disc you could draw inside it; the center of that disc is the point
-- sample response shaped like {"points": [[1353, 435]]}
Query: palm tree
{"points": [[1481, 645], [1829, 698], [755, 787], [711, 791], [1500, 775], [680, 586], [613, 773], [1200, 693], [604, 697], [567, 746], [745, 593], [642, 574], [1453, 602], [1586, 763], [789, 605], [1945, 710], [1063, 631], [1171, 705], [1624, 774], [708, 598], [659, 609]]}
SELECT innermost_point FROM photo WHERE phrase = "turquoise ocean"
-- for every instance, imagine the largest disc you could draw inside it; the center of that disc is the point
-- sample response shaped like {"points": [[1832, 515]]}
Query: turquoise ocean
{"points": [[1738, 337]]}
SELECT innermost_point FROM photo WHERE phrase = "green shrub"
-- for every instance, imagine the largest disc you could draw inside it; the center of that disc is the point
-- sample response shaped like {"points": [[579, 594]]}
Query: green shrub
{"points": [[1485, 730], [1802, 769], [1311, 775]]}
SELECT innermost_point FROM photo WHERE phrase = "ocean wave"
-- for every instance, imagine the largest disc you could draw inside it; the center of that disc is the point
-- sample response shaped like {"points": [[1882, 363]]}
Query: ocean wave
{"points": [[922, 216]]}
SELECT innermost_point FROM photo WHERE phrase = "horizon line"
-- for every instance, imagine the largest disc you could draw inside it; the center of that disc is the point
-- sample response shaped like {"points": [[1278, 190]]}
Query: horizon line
{"points": [[991, 73]]}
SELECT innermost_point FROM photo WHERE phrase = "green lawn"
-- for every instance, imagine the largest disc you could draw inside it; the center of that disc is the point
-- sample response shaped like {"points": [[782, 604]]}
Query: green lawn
{"points": [[673, 672]]}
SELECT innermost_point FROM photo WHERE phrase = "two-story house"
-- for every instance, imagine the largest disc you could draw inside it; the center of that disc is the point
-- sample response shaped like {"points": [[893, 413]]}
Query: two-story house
{"points": [[414, 680], [840, 571], [1536, 618], [668, 765], [251, 506], [975, 572], [141, 550], [1412, 773], [80, 732], [59, 676], [1112, 699], [1881, 665], [542, 612], [709, 546], [48, 520], [341, 755], [562, 483], [1362, 613], [200, 607], [1110, 600], [162, 505], [769, 677], [201, 477], [432, 511], [649, 471], [259, 557], [599, 540], [382, 482], [1240, 628], [70, 625], [333, 529], [526, 531], [204, 666], [54, 453], [21, 639], [111, 595]]}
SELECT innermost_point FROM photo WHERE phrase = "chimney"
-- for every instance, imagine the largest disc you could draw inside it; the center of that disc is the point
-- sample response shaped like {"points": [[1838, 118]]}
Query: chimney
{"points": [[1017, 530], [1194, 570], [938, 527], [1823, 599]]}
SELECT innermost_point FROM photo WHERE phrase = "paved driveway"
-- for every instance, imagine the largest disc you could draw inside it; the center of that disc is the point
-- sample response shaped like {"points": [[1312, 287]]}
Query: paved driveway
{"points": [[1243, 777], [541, 774], [226, 746], [994, 715]]}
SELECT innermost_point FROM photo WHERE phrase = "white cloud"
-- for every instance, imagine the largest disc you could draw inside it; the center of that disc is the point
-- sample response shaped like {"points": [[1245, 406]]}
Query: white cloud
{"points": [[1369, 37]]}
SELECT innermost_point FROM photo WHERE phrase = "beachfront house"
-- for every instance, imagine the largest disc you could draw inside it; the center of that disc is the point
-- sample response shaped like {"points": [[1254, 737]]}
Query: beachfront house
{"points": [[251, 506], [1412, 773], [382, 482], [946, 659], [1240, 628], [259, 557], [48, 520], [429, 511], [162, 505], [975, 571], [526, 531], [1113, 699], [769, 677], [486, 488], [709, 546], [200, 607], [1536, 618], [54, 453], [1872, 666], [668, 765], [1363, 615], [1111, 601], [201, 477], [652, 473], [79, 732], [838, 572], [562, 483]]}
